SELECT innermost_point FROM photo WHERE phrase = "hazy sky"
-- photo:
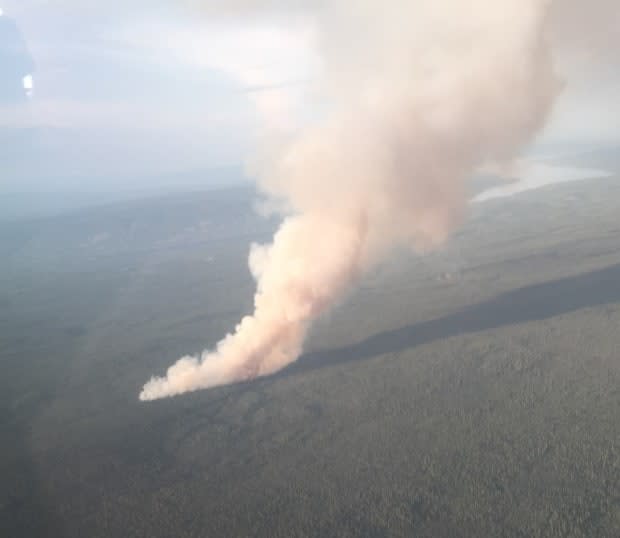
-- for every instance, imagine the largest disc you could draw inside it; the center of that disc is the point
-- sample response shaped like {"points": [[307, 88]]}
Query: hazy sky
{"points": [[124, 96]]}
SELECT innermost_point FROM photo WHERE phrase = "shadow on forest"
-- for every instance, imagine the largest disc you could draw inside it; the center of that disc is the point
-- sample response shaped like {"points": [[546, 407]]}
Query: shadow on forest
{"points": [[530, 303]]}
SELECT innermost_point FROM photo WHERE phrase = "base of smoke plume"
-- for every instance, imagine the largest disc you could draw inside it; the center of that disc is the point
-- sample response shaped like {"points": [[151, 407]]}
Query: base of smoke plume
{"points": [[534, 176]]}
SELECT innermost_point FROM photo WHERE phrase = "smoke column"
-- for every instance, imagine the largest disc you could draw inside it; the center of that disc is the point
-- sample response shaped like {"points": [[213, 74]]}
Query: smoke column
{"points": [[421, 94]]}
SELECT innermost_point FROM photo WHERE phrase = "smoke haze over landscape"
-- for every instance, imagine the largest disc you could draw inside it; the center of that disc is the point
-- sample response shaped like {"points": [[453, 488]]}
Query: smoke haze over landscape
{"points": [[383, 237], [421, 96], [369, 119]]}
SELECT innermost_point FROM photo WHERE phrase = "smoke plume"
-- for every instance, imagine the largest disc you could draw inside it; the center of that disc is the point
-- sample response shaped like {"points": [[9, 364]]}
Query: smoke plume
{"points": [[421, 94]]}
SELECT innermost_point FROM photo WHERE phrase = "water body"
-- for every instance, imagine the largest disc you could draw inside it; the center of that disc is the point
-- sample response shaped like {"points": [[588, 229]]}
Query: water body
{"points": [[535, 175]]}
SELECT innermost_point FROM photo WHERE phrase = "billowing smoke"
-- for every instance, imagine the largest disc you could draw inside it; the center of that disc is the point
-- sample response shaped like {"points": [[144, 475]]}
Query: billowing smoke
{"points": [[421, 94]]}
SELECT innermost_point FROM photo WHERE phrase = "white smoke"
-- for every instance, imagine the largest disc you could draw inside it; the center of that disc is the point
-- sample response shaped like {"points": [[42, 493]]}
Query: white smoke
{"points": [[421, 95]]}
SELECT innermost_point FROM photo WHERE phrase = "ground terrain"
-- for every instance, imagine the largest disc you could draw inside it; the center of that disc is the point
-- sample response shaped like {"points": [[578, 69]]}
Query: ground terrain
{"points": [[471, 392]]}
